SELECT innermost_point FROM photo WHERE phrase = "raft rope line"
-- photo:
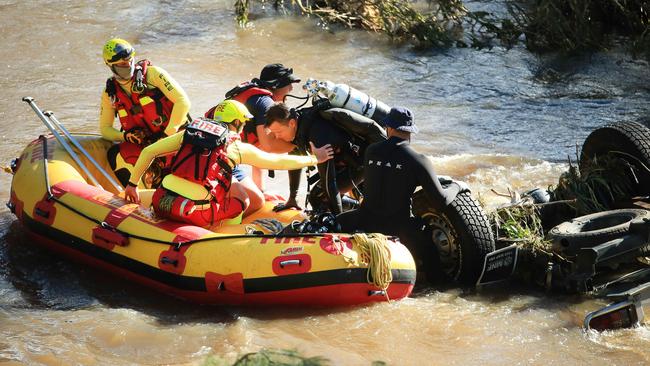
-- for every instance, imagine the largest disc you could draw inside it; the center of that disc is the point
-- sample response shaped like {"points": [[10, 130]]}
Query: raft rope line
{"points": [[373, 250], [177, 245]]}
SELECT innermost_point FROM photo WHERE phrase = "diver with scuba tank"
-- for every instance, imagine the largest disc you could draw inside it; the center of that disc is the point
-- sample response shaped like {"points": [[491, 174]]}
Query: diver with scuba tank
{"points": [[349, 134], [359, 116]]}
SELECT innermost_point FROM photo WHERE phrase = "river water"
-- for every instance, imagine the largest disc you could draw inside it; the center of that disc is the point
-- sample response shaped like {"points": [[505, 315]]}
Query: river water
{"points": [[494, 118]]}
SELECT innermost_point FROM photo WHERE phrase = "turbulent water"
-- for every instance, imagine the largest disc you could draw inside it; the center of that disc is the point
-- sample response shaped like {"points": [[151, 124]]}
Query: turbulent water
{"points": [[494, 118]]}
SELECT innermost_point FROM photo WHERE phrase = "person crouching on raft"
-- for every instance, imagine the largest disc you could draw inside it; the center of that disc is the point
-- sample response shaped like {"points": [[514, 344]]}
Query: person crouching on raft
{"points": [[199, 189], [149, 103], [258, 94]]}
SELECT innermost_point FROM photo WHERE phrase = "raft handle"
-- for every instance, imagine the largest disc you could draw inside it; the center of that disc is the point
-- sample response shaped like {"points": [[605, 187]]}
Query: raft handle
{"points": [[107, 237], [12, 207], [376, 293], [290, 262], [42, 213], [166, 260]]}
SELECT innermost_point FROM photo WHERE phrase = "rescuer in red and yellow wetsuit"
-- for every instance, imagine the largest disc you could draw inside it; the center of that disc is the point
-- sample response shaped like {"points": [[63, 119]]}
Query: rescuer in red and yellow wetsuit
{"points": [[200, 189], [149, 103]]}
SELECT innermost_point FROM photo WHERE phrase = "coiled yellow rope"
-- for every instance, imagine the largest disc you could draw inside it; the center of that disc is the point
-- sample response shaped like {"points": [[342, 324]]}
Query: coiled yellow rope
{"points": [[374, 251]]}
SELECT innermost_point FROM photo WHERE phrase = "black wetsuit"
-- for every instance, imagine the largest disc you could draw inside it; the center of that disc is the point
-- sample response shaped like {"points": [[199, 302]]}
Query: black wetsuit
{"points": [[393, 170], [339, 174]]}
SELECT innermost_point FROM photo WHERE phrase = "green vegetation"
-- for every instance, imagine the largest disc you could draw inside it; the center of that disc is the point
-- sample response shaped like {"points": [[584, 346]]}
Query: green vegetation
{"points": [[597, 185], [267, 357], [577, 25], [522, 224], [270, 358], [544, 25], [441, 24]]}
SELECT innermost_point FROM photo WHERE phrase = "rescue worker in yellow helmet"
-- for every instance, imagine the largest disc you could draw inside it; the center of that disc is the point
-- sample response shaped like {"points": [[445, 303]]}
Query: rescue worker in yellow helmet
{"points": [[148, 102], [200, 189], [258, 94]]}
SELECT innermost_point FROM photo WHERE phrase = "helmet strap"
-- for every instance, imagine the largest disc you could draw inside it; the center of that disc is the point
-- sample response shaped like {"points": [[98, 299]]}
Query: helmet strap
{"points": [[239, 126]]}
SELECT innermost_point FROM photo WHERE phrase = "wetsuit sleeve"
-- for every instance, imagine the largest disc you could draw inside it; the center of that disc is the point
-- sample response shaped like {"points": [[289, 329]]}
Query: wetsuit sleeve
{"points": [[428, 180], [164, 146], [159, 78], [242, 153], [327, 172], [294, 182], [106, 118]]}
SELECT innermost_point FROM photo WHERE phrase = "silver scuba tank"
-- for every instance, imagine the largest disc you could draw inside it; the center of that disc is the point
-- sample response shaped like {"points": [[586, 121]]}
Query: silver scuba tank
{"points": [[347, 97]]}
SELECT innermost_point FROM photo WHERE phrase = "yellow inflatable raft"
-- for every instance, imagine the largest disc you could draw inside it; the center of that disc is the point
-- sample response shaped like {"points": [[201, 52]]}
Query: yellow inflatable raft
{"points": [[61, 211]]}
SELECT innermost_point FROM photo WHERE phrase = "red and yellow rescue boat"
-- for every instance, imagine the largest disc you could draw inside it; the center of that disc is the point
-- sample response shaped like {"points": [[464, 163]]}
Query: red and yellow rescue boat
{"points": [[61, 211]]}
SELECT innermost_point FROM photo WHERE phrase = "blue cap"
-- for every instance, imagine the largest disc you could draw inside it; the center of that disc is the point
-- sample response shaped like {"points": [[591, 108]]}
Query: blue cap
{"points": [[401, 119]]}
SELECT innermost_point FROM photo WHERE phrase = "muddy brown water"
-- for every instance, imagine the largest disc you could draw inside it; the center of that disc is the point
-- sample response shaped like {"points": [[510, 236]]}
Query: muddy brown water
{"points": [[493, 118]]}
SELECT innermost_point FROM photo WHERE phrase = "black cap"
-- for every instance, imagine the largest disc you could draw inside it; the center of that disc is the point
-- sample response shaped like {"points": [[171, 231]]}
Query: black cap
{"points": [[277, 76], [401, 119]]}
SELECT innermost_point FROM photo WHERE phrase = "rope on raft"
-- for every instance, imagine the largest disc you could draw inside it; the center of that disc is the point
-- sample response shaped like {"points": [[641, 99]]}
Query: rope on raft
{"points": [[374, 251]]}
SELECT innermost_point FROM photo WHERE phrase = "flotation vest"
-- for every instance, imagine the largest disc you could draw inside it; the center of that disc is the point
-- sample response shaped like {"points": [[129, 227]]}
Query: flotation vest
{"points": [[145, 108], [245, 90], [203, 159], [242, 93]]}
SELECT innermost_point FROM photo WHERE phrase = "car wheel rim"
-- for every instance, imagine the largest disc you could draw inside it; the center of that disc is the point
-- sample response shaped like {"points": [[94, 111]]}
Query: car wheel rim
{"points": [[445, 239]]}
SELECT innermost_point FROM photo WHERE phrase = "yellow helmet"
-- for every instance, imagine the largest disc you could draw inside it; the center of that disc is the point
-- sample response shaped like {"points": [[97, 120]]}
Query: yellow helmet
{"points": [[230, 110], [117, 49]]}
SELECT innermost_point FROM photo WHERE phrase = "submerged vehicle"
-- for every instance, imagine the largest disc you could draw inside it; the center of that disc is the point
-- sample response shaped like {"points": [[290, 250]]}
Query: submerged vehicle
{"points": [[603, 253]]}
